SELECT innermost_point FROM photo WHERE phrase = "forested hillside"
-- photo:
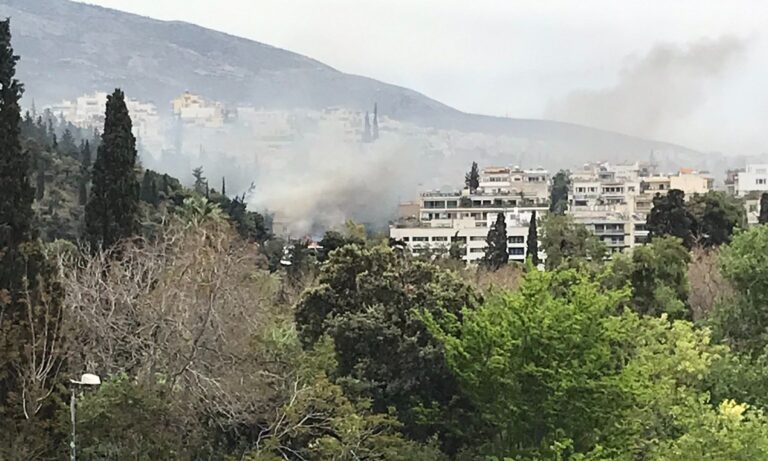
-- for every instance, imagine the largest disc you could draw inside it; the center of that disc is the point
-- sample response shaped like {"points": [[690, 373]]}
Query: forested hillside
{"points": [[213, 340]]}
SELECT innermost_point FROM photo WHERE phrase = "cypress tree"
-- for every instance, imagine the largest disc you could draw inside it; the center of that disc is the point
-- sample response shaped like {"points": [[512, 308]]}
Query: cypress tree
{"points": [[763, 217], [558, 200], [533, 240], [17, 194], [149, 193], [40, 179], [112, 210], [496, 252], [224, 186], [30, 295], [472, 179], [85, 172]]}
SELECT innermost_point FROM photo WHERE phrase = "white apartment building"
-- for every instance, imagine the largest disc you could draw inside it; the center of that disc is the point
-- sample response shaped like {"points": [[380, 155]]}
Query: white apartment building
{"points": [[753, 179], [605, 198], [439, 235], [460, 216], [692, 182], [195, 110], [89, 111], [529, 186]]}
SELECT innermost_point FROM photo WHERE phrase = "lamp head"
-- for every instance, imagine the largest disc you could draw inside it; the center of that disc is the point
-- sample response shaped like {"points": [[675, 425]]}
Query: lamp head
{"points": [[87, 379]]}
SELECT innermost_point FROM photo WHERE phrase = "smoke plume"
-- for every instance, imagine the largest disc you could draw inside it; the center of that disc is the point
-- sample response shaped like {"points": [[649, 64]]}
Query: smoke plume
{"points": [[656, 93]]}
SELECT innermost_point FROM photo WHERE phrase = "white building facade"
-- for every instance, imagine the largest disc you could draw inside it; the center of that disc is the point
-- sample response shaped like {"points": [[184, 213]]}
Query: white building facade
{"points": [[753, 179]]}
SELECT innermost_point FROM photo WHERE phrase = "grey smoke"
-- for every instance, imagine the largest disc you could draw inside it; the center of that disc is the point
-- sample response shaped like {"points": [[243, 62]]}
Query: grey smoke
{"points": [[656, 93], [321, 184]]}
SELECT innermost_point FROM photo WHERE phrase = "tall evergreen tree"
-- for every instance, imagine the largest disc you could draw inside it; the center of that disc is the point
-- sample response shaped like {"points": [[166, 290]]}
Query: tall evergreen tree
{"points": [[149, 192], [533, 240], [472, 179], [716, 216], [224, 186], [763, 217], [30, 295], [496, 252], [558, 201], [670, 216], [112, 210], [67, 145], [40, 179], [85, 172]]}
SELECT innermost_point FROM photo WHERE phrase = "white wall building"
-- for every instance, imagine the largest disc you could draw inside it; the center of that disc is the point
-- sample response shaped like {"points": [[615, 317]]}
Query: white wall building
{"points": [[440, 235], [753, 179], [88, 111]]}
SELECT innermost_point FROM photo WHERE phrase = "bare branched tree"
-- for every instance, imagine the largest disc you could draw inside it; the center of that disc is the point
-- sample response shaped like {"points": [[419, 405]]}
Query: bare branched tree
{"points": [[184, 309], [708, 287]]}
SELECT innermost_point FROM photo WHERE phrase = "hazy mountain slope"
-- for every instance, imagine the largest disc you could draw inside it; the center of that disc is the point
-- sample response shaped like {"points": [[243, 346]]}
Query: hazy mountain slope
{"points": [[70, 48]]}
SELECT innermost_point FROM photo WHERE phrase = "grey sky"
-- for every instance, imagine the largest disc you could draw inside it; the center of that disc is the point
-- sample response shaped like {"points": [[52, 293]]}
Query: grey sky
{"points": [[535, 58]]}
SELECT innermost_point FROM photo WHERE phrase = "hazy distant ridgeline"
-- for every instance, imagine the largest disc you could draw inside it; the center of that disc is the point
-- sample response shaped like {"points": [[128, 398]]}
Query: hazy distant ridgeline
{"points": [[70, 48]]}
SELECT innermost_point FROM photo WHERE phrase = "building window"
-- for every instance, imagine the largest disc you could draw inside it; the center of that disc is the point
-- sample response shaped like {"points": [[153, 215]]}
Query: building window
{"points": [[760, 181], [517, 251], [516, 239], [753, 208], [406, 239], [477, 250], [421, 239], [439, 239], [459, 239], [477, 238]]}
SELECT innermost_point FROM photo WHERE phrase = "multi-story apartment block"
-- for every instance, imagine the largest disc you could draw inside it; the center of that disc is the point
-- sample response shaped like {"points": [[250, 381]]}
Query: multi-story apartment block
{"points": [[194, 110], [529, 186], [470, 233], [753, 179], [692, 182], [464, 217], [609, 201], [89, 110], [732, 181]]}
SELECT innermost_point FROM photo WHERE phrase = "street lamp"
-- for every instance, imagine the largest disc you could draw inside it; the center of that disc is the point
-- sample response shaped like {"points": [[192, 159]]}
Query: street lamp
{"points": [[86, 379]]}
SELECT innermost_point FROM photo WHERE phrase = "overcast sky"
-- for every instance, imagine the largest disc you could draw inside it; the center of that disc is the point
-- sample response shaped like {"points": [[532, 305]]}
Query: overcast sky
{"points": [[693, 72]]}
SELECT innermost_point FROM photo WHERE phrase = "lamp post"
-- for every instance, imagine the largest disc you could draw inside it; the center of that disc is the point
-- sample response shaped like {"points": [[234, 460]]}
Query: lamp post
{"points": [[86, 379]]}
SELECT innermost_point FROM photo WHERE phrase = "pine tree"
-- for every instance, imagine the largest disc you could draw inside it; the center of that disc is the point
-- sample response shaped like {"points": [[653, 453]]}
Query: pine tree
{"points": [[112, 210], [85, 172], [472, 179], [763, 217], [533, 240], [30, 295], [201, 182], [670, 216], [224, 186], [375, 121], [496, 252]]}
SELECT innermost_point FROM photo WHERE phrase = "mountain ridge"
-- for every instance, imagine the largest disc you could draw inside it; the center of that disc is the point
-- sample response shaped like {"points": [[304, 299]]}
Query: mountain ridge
{"points": [[70, 48]]}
